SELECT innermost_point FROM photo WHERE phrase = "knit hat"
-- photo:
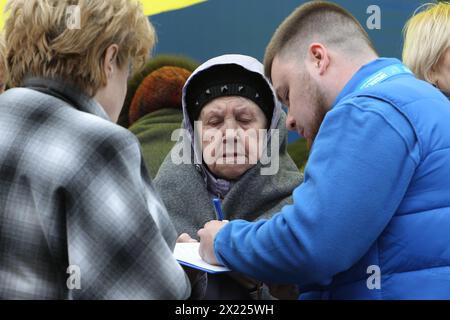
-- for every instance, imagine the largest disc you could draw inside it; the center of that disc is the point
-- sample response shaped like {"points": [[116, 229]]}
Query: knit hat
{"points": [[138, 78], [160, 89], [228, 80]]}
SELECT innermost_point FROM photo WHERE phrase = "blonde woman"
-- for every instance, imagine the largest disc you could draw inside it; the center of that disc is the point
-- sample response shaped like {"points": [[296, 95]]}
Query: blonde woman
{"points": [[79, 218], [3, 71], [427, 45]]}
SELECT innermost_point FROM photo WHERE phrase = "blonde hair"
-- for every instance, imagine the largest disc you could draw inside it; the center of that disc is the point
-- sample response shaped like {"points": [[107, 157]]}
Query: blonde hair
{"points": [[40, 43], [427, 36], [3, 68], [317, 21]]}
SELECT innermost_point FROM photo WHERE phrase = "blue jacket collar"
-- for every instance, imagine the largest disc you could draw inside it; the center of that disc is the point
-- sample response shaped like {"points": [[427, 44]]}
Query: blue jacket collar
{"points": [[366, 71], [447, 94]]}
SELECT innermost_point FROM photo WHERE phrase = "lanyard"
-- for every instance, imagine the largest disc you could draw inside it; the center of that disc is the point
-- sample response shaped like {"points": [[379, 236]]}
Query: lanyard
{"points": [[384, 74]]}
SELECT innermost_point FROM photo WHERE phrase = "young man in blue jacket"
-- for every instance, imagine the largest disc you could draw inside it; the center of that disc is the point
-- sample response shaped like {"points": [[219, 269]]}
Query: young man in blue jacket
{"points": [[371, 219]]}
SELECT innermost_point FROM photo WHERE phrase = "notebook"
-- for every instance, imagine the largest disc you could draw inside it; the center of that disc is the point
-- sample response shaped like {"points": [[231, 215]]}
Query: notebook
{"points": [[187, 255]]}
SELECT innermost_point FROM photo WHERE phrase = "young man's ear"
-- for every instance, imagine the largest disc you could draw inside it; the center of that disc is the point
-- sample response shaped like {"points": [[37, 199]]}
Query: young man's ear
{"points": [[318, 55], [110, 62]]}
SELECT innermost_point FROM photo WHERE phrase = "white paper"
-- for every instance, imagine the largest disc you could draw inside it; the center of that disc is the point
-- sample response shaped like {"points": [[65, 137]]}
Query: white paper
{"points": [[187, 254]]}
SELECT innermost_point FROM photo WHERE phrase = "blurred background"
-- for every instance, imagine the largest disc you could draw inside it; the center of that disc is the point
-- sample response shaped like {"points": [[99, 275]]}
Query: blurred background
{"points": [[197, 30], [217, 27]]}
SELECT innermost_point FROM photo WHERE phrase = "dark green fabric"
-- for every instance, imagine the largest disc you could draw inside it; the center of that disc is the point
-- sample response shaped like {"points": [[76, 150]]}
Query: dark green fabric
{"points": [[298, 151], [154, 132]]}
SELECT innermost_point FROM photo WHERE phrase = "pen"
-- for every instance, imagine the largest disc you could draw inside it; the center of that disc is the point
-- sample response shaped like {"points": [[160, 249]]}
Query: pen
{"points": [[218, 207]]}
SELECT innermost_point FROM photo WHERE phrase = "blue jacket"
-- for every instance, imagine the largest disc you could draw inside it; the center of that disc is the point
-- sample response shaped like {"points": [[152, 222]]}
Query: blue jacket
{"points": [[372, 218]]}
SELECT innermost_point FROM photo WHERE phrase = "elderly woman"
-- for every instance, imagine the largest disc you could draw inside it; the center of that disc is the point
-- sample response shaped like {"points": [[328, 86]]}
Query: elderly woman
{"points": [[79, 217], [427, 45], [229, 100]]}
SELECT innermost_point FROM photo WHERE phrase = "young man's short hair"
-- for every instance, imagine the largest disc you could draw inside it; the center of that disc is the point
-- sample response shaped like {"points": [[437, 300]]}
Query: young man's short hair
{"points": [[317, 21]]}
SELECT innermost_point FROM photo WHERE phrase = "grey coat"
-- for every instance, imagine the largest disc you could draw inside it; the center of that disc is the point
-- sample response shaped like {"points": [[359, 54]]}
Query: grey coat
{"points": [[75, 197]]}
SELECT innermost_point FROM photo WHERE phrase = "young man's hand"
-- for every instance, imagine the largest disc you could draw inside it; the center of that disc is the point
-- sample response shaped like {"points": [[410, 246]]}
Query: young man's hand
{"points": [[207, 236]]}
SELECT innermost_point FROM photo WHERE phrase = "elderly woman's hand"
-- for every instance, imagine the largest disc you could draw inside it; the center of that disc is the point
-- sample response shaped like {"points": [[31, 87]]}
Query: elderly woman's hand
{"points": [[185, 238], [207, 236], [198, 279]]}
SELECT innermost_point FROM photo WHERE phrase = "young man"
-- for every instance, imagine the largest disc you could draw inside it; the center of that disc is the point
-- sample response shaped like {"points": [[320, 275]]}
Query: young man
{"points": [[371, 219], [79, 218]]}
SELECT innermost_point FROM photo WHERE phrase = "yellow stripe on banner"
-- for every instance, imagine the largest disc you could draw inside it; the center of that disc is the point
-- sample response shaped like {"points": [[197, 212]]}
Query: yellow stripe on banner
{"points": [[2, 14], [151, 7]]}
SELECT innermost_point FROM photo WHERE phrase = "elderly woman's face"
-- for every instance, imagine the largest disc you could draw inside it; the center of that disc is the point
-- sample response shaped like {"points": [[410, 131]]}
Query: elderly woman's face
{"points": [[442, 72], [232, 140]]}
